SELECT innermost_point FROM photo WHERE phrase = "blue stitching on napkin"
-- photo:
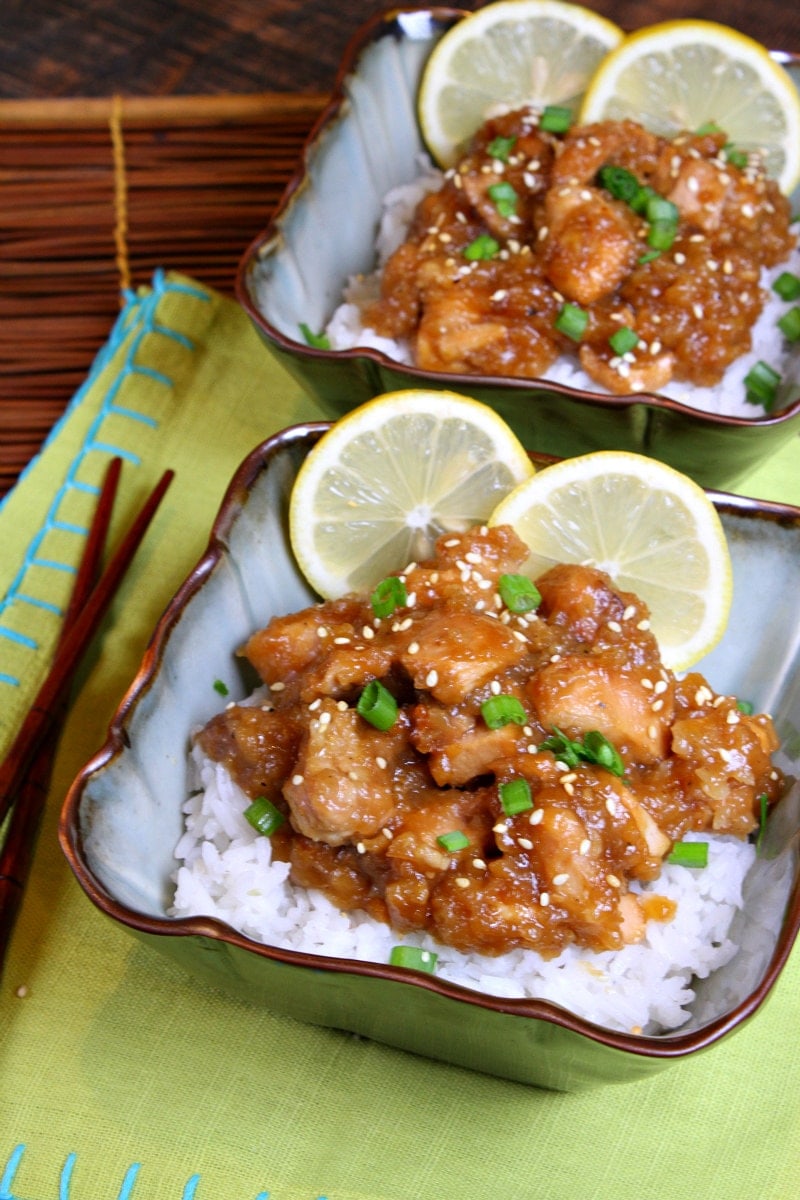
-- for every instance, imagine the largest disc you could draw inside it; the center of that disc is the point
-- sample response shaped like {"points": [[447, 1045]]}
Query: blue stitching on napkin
{"points": [[65, 1180], [138, 317]]}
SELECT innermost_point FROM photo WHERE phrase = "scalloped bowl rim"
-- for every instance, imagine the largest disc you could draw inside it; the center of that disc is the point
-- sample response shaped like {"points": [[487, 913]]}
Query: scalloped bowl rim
{"points": [[664, 1046]]}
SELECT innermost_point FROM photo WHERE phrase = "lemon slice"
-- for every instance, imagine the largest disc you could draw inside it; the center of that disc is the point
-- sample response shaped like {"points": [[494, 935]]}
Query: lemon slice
{"points": [[653, 530], [387, 479], [508, 54], [682, 74]]}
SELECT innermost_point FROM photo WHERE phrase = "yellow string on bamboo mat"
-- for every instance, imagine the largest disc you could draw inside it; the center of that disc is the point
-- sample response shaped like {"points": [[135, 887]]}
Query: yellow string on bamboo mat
{"points": [[120, 196]]}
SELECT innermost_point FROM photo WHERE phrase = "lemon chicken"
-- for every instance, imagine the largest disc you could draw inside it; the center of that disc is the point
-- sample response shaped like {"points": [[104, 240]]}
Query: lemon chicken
{"points": [[493, 761], [638, 254]]}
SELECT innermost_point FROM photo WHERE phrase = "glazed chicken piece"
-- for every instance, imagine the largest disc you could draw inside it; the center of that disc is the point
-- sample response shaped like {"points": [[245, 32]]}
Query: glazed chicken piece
{"points": [[339, 791], [592, 242]]}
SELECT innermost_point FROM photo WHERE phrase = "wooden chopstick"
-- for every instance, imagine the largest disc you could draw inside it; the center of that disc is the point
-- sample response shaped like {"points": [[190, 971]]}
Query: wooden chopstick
{"points": [[42, 714]]}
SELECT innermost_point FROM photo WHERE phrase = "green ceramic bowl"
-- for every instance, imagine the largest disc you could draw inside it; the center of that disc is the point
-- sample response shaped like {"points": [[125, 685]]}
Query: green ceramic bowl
{"points": [[122, 817], [367, 142]]}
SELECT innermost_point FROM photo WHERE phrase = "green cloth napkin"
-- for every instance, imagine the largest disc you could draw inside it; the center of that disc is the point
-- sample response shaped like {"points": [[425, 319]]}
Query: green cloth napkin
{"points": [[119, 1077]]}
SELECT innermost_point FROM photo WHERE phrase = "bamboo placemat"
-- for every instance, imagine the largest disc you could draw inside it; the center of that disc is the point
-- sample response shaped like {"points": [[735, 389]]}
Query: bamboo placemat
{"points": [[97, 194]]}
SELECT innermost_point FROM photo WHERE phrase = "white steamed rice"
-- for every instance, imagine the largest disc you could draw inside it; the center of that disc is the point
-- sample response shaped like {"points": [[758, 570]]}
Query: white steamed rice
{"points": [[226, 872], [345, 329]]}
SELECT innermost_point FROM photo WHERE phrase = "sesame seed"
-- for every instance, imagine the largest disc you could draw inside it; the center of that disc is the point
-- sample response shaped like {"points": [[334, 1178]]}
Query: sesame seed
{"points": [[697, 309], [520, 636], [652, 731], [544, 899], [479, 864], [495, 688], [380, 761], [732, 717], [554, 658], [411, 599], [462, 882], [615, 626], [367, 633], [569, 788], [451, 542], [341, 641], [277, 686], [387, 833], [629, 612], [500, 827], [613, 881], [352, 776], [322, 631], [536, 816], [724, 754], [526, 843], [647, 683], [413, 648], [361, 848], [611, 806], [585, 846], [679, 258], [643, 625], [560, 878], [499, 295], [342, 705], [431, 679], [661, 686], [325, 718], [314, 705], [297, 780], [657, 705]]}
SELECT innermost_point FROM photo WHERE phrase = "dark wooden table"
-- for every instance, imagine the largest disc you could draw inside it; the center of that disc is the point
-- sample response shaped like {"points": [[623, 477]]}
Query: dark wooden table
{"points": [[160, 47], [218, 96]]}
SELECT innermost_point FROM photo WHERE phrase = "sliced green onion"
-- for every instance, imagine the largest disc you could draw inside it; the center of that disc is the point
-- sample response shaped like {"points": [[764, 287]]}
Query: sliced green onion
{"points": [[264, 816], [787, 286], [453, 842], [621, 183], [377, 705], [519, 593], [501, 147], [789, 324], [555, 118], [763, 807], [221, 687], [689, 854], [413, 958], [624, 340], [601, 751], [572, 321], [761, 385], [662, 234], [642, 198], [515, 796], [595, 748], [498, 711], [660, 209], [504, 198], [745, 706], [319, 341], [708, 127], [648, 256], [735, 156], [483, 247], [390, 594]]}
